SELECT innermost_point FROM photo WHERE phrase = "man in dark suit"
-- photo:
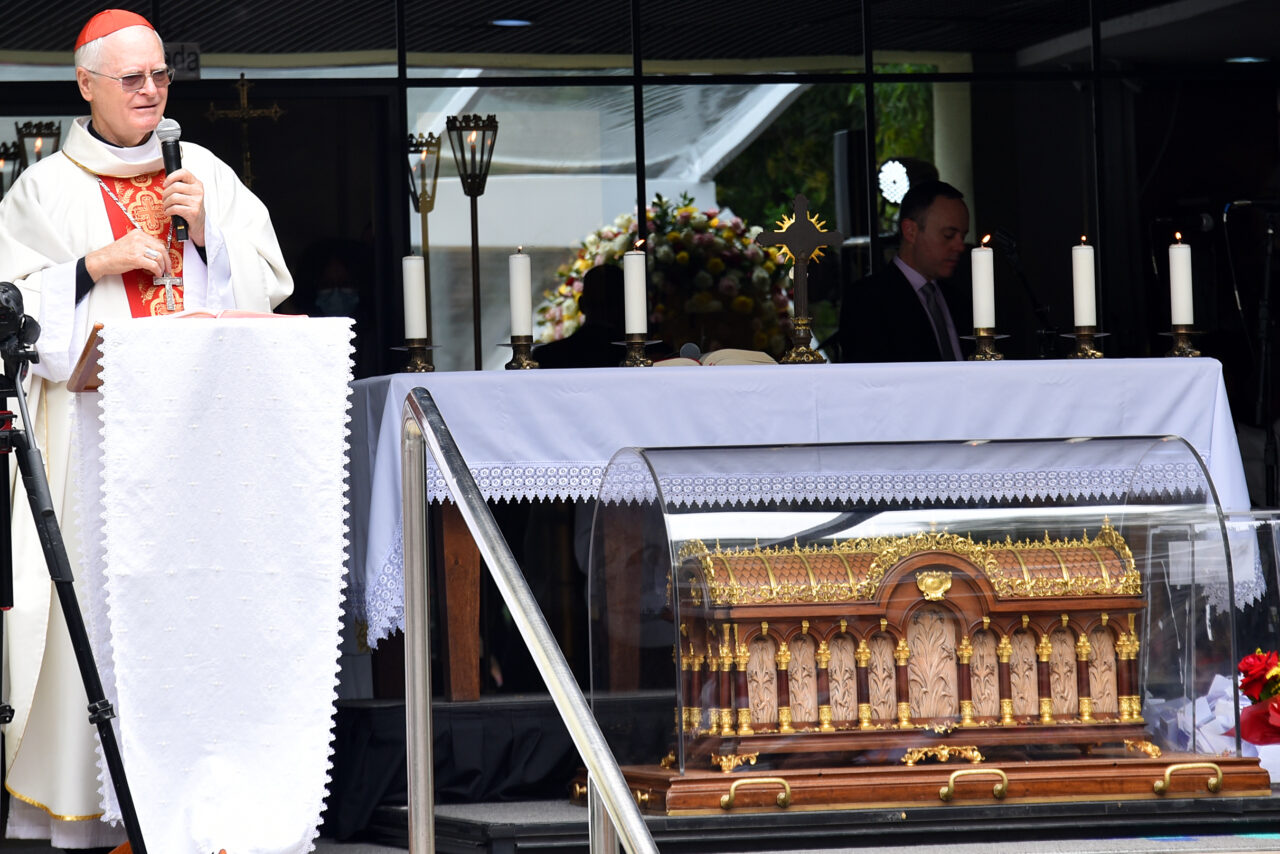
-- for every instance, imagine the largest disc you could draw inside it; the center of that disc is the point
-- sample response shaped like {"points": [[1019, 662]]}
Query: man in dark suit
{"points": [[900, 314], [594, 343]]}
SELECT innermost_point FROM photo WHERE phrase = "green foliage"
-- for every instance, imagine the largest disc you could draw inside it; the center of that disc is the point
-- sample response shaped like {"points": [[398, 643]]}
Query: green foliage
{"points": [[796, 155]]}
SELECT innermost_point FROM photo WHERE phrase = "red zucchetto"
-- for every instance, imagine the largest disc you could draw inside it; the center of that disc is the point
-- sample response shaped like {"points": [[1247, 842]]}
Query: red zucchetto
{"points": [[110, 21]]}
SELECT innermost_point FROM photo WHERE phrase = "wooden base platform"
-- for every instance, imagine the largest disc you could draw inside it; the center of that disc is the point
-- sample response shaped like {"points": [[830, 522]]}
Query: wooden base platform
{"points": [[993, 782]]}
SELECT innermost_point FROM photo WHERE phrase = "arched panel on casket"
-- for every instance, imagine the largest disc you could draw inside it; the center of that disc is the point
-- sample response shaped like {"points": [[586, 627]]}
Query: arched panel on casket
{"points": [[843, 674], [1102, 671], [802, 680]]}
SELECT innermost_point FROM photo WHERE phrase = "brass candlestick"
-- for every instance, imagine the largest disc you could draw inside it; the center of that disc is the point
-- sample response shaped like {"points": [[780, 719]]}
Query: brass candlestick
{"points": [[418, 361], [1085, 348], [1182, 341], [635, 357], [801, 353], [985, 339], [520, 347]]}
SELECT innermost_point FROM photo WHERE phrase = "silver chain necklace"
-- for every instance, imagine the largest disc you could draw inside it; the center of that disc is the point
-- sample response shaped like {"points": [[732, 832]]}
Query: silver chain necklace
{"points": [[168, 282]]}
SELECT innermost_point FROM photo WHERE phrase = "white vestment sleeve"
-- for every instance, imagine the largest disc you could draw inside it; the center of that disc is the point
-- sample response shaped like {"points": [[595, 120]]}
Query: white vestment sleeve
{"points": [[246, 269], [40, 258]]}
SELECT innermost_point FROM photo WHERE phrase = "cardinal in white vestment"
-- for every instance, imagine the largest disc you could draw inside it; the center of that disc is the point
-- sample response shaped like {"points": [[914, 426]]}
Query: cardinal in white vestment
{"points": [[83, 233]]}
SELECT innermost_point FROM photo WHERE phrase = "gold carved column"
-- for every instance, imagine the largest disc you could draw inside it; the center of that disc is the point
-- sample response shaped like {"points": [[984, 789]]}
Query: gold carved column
{"points": [[1083, 688], [964, 657], [1004, 652], [901, 655], [1044, 651], [862, 658]]}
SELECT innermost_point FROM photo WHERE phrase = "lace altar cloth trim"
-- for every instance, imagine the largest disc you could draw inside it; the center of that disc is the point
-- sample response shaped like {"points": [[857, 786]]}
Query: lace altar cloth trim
{"points": [[633, 481]]}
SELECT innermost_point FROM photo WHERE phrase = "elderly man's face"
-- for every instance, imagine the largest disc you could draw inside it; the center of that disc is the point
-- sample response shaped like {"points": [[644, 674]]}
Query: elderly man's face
{"points": [[934, 245], [125, 118]]}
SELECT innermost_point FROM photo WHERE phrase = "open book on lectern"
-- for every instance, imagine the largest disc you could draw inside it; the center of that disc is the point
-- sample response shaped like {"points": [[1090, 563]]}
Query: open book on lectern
{"points": [[86, 375]]}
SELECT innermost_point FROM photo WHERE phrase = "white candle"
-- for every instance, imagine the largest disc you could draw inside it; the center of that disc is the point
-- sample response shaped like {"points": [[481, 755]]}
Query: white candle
{"points": [[1181, 309], [982, 259], [415, 297], [1082, 287], [635, 301], [518, 268]]}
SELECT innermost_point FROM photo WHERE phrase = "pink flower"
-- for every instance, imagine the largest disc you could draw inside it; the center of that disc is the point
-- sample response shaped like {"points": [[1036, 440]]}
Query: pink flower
{"points": [[728, 286]]}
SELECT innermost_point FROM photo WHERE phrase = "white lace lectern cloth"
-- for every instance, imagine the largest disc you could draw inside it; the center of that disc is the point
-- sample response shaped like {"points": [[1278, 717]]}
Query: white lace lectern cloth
{"points": [[224, 524], [530, 435]]}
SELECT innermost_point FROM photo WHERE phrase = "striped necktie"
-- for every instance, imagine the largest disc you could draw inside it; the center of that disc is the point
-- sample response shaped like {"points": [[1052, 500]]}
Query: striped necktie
{"points": [[939, 317]]}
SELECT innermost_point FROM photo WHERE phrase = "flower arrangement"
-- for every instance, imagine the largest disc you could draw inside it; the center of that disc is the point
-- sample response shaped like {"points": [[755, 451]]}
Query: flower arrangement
{"points": [[1260, 682], [709, 282]]}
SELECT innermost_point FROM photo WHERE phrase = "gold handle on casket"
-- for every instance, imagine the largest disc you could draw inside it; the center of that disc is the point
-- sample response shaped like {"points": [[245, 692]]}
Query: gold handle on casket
{"points": [[998, 791], [1214, 783], [784, 797]]}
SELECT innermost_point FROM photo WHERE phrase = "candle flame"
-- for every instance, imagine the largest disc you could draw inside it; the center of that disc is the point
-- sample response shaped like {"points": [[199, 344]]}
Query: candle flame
{"points": [[1, 162], [1083, 240], [986, 240], [639, 245], [472, 139], [519, 250], [1177, 235], [39, 143]]}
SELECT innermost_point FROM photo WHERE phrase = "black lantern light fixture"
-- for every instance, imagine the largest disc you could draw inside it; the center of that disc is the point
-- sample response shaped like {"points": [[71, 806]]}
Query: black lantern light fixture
{"points": [[9, 163], [424, 172], [37, 140], [471, 139]]}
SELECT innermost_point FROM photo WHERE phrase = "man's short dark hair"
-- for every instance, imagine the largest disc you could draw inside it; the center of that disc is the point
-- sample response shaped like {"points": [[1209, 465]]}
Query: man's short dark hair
{"points": [[920, 196]]}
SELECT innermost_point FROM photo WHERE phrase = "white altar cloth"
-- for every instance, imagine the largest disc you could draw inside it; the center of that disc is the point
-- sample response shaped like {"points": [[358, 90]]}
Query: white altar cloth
{"points": [[550, 434], [215, 593]]}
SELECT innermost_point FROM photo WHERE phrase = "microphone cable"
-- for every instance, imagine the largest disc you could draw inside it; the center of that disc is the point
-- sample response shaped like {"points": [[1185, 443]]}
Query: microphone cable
{"points": [[1235, 284]]}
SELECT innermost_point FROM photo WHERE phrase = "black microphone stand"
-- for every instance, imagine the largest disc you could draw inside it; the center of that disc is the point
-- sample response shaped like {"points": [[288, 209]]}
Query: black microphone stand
{"points": [[1047, 334], [17, 352], [1262, 410]]}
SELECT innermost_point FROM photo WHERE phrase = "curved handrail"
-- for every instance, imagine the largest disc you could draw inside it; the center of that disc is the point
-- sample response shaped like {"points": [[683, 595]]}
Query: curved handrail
{"points": [[423, 424]]}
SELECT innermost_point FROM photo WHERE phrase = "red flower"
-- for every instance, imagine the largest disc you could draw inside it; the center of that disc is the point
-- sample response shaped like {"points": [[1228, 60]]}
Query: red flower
{"points": [[1254, 673], [1260, 723]]}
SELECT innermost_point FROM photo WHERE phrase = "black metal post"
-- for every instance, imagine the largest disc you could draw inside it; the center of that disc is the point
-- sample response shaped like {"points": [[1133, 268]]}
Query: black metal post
{"points": [[1263, 412], [475, 279]]}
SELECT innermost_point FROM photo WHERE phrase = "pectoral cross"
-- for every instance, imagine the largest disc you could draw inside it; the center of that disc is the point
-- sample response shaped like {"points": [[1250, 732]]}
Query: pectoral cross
{"points": [[244, 112], [169, 283], [801, 237]]}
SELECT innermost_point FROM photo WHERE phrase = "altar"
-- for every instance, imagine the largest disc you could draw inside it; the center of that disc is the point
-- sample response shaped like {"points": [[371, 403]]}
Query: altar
{"points": [[534, 435]]}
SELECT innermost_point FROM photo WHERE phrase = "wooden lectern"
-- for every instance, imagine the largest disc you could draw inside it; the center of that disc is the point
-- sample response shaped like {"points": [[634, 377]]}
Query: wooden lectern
{"points": [[87, 374]]}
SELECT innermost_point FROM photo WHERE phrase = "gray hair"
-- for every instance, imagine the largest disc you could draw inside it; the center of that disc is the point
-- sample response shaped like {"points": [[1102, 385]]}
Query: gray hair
{"points": [[89, 54]]}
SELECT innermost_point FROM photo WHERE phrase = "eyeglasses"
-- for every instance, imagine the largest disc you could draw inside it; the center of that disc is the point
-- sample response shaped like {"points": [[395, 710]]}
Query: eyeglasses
{"points": [[162, 77]]}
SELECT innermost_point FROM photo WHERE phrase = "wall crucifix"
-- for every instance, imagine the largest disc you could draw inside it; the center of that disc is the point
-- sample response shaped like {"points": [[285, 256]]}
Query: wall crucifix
{"points": [[244, 112]]}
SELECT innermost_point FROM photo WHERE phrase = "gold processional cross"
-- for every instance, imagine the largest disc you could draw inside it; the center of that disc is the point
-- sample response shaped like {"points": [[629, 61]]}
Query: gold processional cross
{"points": [[801, 238], [244, 113]]}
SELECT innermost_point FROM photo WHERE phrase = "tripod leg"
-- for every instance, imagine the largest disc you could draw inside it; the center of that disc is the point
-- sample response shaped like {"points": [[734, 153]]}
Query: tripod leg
{"points": [[31, 466]]}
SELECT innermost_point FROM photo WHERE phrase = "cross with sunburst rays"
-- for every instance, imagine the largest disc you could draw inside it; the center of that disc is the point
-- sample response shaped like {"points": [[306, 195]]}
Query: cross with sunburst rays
{"points": [[801, 237]]}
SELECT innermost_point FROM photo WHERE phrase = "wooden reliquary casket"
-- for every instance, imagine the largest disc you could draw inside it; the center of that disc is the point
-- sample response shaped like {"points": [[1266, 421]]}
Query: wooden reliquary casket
{"points": [[871, 654], [903, 641]]}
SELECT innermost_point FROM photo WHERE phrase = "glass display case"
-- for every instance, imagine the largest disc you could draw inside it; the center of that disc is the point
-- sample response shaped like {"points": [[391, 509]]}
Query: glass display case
{"points": [[966, 622]]}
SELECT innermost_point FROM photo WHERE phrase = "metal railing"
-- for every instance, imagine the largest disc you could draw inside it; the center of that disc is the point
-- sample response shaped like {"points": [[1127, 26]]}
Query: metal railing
{"points": [[423, 428]]}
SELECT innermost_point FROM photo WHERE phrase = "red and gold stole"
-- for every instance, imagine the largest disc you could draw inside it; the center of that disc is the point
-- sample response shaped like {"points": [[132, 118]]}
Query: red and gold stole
{"points": [[141, 197]]}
